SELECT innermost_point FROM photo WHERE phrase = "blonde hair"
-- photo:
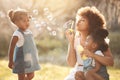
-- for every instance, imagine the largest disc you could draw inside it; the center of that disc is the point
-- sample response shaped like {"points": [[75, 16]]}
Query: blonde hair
{"points": [[16, 15]]}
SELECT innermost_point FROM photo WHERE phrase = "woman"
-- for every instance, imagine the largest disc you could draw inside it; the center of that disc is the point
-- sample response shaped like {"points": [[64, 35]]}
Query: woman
{"points": [[88, 19]]}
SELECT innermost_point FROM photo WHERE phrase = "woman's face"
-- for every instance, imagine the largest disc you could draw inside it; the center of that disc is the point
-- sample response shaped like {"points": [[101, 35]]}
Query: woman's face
{"points": [[81, 23]]}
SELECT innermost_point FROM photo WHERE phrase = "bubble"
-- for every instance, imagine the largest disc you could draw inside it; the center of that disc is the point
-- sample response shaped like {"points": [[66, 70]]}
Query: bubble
{"points": [[37, 25], [54, 33], [33, 19], [49, 28], [50, 17], [35, 12], [69, 24], [43, 23], [46, 9], [49, 24], [48, 14]]}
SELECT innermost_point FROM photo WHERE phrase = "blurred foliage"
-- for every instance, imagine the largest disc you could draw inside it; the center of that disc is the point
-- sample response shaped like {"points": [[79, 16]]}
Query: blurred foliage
{"points": [[45, 45], [115, 47], [3, 48], [114, 42]]}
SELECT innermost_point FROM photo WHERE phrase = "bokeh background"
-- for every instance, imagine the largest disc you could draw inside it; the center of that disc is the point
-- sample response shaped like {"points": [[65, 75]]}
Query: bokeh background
{"points": [[50, 18]]}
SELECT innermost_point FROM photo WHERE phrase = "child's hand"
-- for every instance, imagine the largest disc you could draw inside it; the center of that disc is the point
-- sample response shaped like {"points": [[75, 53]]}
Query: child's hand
{"points": [[83, 55], [88, 53], [11, 65]]}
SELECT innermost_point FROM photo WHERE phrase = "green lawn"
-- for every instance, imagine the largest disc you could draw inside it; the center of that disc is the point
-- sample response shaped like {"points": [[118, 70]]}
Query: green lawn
{"points": [[48, 72]]}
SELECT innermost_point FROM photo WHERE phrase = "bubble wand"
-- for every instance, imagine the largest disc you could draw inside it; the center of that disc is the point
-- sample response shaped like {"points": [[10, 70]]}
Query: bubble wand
{"points": [[71, 28]]}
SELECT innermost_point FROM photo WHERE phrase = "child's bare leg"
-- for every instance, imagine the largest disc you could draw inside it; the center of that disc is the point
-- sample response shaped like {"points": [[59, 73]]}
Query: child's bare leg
{"points": [[90, 75], [79, 75], [97, 76], [21, 76], [30, 76]]}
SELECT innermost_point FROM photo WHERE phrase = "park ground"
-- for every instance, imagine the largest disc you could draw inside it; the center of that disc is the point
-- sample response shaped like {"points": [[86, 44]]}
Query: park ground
{"points": [[48, 72]]}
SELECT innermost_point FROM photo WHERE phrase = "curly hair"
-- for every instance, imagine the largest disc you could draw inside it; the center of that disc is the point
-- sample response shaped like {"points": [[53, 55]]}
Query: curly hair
{"points": [[95, 18], [98, 37]]}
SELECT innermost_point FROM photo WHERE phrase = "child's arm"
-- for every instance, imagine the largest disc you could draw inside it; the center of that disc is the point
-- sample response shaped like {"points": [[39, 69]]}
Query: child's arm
{"points": [[11, 51], [97, 66]]}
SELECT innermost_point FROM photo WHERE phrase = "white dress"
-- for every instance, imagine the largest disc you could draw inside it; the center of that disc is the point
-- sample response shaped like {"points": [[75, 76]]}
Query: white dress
{"points": [[76, 68]]}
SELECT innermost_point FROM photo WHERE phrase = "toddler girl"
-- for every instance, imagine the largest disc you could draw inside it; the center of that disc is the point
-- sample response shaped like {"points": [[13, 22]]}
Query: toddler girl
{"points": [[23, 55]]}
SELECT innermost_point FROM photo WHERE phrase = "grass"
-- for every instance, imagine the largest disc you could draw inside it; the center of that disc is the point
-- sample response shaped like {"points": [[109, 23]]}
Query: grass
{"points": [[48, 72]]}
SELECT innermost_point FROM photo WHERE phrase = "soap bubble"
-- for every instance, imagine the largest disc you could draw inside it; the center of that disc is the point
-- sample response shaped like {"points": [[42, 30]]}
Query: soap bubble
{"points": [[37, 25], [32, 18], [48, 14], [49, 24], [69, 24], [43, 23], [49, 28], [46, 10], [35, 12], [50, 17], [54, 33]]}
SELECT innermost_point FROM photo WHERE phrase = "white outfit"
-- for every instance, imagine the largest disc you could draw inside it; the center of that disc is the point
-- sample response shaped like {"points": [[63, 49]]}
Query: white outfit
{"points": [[71, 76], [20, 41]]}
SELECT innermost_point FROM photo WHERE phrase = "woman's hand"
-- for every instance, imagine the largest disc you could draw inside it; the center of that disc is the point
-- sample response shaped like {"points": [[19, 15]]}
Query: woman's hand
{"points": [[11, 64], [70, 36], [106, 60]]}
